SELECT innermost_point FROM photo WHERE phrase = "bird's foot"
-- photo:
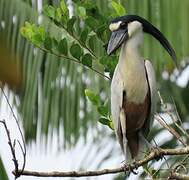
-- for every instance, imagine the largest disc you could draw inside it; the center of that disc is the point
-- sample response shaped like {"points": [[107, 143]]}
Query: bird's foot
{"points": [[158, 151], [130, 167]]}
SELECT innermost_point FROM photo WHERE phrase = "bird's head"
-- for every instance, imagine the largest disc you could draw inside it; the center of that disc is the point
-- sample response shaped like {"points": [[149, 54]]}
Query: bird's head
{"points": [[128, 27]]}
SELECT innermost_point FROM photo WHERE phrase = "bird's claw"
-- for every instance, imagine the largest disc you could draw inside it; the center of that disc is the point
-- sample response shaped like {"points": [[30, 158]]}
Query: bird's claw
{"points": [[135, 165], [130, 167], [158, 150]]}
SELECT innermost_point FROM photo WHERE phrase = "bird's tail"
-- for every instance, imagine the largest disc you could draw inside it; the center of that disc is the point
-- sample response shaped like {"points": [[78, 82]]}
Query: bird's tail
{"points": [[137, 147]]}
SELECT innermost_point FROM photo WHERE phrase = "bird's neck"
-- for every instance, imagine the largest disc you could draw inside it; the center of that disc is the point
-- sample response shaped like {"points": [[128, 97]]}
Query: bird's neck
{"points": [[132, 70], [130, 57]]}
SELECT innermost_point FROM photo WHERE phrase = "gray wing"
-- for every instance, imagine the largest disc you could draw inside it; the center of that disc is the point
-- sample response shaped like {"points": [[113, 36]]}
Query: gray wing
{"points": [[153, 95], [118, 115]]}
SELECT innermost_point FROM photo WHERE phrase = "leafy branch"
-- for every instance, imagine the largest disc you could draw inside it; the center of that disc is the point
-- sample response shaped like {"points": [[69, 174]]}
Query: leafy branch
{"points": [[40, 38], [60, 17], [79, 42], [76, 61], [102, 108]]}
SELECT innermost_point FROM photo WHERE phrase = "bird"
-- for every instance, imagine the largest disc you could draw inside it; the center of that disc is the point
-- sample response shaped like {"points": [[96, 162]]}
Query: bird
{"points": [[133, 85]]}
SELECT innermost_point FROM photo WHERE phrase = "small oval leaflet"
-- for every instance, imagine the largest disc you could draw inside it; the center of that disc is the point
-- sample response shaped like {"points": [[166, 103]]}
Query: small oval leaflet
{"points": [[103, 110], [49, 11], [48, 43], [84, 35], [63, 46], [76, 51], [87, 60], [94, 98]]}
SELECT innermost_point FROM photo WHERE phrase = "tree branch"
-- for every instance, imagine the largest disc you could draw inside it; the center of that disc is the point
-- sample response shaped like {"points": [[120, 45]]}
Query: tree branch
{"points": [[74, 60], [175, 175], [12, 147], [169, 128], [78, 40], [154, 154]]}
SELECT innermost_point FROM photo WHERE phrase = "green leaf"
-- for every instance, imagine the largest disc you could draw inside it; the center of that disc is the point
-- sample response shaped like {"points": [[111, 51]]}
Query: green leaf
{"points": [[36, 39], [111, 125], [48, 43], [76, 51], [120, 10], [103, 33], [70, 24], [84, 35], [87, 60], [104, 120], [94, 98], [107, 122], [91, 22], [64, 7], [103, 110], [49, 11], [27, 30], [109, 63], [64, 12], [42, 32], [92, 42], [55, 42], [93, 11], [58, 14], [103, 60], [81, 11], [33, 33], [63, 46]]}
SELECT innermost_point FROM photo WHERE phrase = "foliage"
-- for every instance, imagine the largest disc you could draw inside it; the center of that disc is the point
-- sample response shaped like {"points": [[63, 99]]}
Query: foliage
{"points": [[102, 108], [84, 38]]}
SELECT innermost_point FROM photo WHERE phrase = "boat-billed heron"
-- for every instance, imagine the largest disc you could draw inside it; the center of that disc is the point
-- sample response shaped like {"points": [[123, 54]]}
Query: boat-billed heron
{"points": [[133, 86]]}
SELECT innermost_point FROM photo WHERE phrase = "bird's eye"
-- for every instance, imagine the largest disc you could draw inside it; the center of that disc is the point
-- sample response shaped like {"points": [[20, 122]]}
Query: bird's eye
{"points": [[122, 25]]}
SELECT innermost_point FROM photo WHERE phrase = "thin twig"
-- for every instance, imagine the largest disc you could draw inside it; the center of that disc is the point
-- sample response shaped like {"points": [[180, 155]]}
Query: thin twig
{"points": [[172, 115], [178, 176], [154, 154], [23, 148], [177, 114], [178, 117], [169, 128], [17, 173], [181, 164]]}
